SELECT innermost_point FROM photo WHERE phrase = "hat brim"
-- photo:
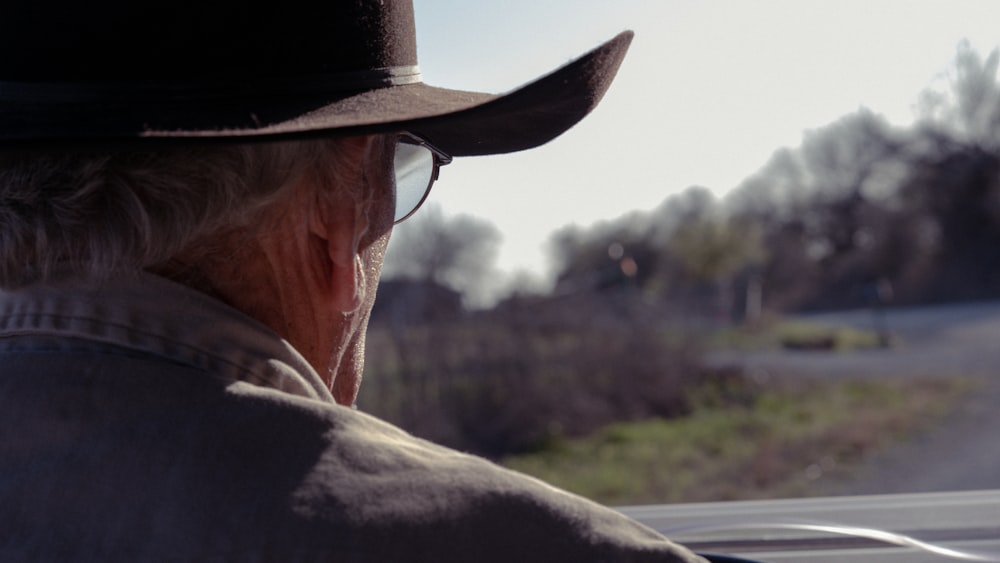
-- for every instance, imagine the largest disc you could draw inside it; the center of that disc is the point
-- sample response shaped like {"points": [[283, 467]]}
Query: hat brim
{"points": [[461, 123]]}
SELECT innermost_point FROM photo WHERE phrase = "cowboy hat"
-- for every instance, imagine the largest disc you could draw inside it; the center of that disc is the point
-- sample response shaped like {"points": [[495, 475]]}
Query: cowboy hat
{"points": [[120, 71]]}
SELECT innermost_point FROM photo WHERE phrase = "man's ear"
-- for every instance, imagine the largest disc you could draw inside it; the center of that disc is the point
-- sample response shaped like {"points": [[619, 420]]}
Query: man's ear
{"points": [[338, 223], [337, 230]]}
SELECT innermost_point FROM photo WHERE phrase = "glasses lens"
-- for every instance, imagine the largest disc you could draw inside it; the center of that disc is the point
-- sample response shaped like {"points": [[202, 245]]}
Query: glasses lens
{"points": [[414, 168]]}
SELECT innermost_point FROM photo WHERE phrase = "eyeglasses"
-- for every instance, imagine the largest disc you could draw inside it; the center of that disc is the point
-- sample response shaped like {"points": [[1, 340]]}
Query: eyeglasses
{"points": [[417, 163]]}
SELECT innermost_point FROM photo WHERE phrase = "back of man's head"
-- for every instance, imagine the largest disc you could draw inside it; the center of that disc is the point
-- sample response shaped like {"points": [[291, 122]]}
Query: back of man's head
{"points": [[97, 212]]}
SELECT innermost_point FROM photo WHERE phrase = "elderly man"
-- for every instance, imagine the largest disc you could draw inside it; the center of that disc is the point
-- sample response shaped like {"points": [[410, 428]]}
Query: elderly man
{"points": [[194, 207]]}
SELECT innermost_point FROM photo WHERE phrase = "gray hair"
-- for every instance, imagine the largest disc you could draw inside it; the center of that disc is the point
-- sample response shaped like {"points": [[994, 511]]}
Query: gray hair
{"points": [[94, 212]]}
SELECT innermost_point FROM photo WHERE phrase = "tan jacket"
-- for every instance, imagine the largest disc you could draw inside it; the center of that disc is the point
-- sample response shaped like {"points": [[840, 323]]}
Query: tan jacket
{"points": [[142, 421]]}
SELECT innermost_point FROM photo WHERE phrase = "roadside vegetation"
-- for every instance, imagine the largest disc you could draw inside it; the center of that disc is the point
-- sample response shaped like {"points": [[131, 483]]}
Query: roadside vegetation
{"points": [[596, 396], [625, 414], [515, 378], [783, 440]]}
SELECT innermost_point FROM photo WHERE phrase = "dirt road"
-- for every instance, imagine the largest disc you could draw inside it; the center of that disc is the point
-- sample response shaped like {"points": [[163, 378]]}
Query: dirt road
{"points": [[961, 453]]}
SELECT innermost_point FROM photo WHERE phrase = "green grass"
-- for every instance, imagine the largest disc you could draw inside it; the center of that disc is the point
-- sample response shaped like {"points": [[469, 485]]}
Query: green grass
{"points": [[787, 441]]}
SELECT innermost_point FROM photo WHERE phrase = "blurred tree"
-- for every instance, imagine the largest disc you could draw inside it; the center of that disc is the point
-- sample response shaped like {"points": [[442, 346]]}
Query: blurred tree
{"points": [[953, 183], [773, 193], [958, 194], [608, 255], [966, 103], [457, 252], [821, 210], [713, 250], [858, 201]]}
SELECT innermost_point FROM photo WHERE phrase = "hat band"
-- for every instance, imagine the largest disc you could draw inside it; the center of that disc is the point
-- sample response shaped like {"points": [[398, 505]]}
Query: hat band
{"points": [[179, 91]]}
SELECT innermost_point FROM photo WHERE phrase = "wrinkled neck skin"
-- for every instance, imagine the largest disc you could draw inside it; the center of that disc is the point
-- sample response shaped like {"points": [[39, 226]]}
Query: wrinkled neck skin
{"points": [[310, 271]]}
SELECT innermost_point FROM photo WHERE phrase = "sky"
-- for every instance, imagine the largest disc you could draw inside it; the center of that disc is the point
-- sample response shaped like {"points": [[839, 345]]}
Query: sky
{"points": [[708, 91]]}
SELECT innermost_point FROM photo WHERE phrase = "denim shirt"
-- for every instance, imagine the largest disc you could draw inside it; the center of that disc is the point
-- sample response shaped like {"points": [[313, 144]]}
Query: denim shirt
{"points": [[143, 421]]}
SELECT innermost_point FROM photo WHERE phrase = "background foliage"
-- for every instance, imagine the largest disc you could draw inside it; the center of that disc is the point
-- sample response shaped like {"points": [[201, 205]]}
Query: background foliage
{"points": [[861, 214]]}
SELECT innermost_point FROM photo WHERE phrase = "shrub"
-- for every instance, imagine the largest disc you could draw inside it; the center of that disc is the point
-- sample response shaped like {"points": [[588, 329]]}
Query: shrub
{"points": [[517, 378]]}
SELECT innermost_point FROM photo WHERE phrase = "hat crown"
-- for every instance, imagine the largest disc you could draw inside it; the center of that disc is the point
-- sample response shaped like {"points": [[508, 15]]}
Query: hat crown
{"points": [[184, 40]]}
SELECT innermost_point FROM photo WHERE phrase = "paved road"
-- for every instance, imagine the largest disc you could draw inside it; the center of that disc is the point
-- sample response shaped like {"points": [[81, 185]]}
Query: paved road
{"points": [[962, 453], [939, 340]]}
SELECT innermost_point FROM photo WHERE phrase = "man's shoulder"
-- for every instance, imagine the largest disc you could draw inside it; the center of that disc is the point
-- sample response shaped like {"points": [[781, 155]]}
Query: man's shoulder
{"points": [[394, 496], [144, 460]]}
